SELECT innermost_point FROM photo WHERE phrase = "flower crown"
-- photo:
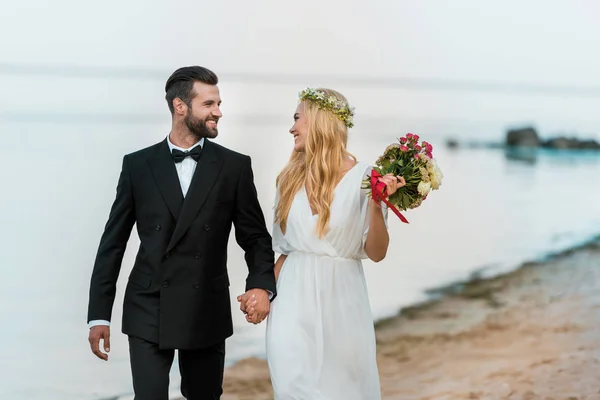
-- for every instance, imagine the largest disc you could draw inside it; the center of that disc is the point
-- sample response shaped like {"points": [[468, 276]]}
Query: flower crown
{"points": [[340, 108]]}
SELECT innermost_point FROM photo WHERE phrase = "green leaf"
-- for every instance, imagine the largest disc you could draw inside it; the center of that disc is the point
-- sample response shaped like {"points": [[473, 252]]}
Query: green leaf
{"points": [[396, 198]]}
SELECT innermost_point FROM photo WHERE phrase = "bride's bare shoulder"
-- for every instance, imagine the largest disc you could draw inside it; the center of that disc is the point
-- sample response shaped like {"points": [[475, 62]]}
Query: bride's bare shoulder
{"points": [[348, 164]]}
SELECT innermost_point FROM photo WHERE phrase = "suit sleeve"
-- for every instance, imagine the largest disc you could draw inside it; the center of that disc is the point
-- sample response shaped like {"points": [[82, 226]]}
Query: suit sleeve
{"points": [[251, 233], [111, 249]]}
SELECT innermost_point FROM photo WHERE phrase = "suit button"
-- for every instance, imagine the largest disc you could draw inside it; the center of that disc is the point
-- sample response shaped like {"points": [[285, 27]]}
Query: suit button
{"points": [[206, 228], [197, 256], [157, 228], [165, 284], [168, 254], [196, 285]]}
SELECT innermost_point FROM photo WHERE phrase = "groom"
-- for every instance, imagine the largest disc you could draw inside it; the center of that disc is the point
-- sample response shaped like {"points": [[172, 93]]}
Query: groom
{"points": [[183, 194]]}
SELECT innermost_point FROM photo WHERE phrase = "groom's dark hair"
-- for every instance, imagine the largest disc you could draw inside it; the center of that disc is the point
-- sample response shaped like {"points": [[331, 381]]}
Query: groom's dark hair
{"points": [[181, 83]]}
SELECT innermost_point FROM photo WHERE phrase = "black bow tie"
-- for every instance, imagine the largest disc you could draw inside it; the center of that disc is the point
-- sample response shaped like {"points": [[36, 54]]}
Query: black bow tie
{"points": [[179, 156]]}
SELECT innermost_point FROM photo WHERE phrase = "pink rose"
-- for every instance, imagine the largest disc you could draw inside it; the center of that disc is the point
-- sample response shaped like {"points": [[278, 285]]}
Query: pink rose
{"points": [[403, 148], [418, 148], [416, 138], [403, 140], [409, 135], [429, 154], [416, 156]]}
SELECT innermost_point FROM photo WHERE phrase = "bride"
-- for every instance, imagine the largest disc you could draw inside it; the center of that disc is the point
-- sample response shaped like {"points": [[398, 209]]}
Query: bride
{"points": [[320, 335]]}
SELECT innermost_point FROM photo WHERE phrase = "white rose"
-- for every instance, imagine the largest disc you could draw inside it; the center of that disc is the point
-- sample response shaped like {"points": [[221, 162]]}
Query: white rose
{"points": [[435, 175], [424, 188], [430, 165], [435, 182]]}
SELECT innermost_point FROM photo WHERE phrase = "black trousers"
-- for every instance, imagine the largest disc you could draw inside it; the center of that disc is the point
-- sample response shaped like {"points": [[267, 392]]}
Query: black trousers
{"points": [[201, 371]]}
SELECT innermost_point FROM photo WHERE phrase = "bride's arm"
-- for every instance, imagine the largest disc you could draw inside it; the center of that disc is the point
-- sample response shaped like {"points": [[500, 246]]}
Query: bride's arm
{"points": [[278, 265], [378, 238]]}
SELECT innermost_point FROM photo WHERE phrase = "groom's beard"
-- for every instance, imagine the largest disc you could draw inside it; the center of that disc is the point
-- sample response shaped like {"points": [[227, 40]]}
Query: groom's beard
{"points": [[198, 126]]}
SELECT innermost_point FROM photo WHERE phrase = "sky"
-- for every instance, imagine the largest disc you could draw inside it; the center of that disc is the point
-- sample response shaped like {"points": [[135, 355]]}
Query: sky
{"points": [[369, 50]]}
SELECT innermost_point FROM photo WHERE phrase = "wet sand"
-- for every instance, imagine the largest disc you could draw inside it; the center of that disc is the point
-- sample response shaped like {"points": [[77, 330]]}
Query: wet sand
{"points": [[530, 334]]}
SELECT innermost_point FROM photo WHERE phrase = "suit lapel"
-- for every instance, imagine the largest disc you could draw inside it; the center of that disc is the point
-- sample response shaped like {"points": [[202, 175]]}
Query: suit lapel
{"points": [[165, 174], [206, 173]]}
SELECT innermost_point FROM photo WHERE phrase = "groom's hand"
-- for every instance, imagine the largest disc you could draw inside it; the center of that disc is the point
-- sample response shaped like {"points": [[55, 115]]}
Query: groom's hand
{"points": [[255, 304], [96, 333]]}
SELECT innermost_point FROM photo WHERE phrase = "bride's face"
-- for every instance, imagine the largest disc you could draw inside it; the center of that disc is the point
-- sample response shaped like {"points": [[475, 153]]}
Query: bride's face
{"points": [[300, 128]]}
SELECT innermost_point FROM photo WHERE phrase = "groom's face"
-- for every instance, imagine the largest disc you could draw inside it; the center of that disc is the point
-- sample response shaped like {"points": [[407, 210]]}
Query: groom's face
{"points": [[204, 112]]}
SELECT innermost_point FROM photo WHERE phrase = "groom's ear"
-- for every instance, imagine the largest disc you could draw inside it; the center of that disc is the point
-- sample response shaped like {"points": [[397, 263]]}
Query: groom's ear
{"points": [[179, 107]]}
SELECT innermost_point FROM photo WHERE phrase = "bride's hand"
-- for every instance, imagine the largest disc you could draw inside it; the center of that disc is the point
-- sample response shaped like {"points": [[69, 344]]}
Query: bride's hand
{"points": [[392, 183]]}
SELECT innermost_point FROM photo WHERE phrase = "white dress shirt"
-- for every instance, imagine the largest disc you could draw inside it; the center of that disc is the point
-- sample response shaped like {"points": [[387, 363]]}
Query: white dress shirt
{"points": [[186, 168]]}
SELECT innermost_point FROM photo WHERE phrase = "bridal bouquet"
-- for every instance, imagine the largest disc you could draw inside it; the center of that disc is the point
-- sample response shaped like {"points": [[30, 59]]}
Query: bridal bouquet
{"points": [[416, 164]]}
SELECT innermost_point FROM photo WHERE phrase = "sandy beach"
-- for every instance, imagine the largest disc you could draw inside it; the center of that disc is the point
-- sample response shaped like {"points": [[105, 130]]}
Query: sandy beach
{"points": [[529, 334]]}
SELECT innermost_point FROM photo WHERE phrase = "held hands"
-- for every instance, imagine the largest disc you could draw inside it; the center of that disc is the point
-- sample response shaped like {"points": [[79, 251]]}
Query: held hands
{"points": [[96, 333], [255, 305]]}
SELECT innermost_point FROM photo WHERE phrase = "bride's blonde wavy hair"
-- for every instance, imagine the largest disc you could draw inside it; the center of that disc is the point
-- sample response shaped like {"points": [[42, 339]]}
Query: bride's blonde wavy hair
{"points": [[318, 167]]}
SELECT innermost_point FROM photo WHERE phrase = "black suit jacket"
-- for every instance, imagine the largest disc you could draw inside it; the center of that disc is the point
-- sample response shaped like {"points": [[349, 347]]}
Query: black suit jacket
{"points": [[178, 291]]}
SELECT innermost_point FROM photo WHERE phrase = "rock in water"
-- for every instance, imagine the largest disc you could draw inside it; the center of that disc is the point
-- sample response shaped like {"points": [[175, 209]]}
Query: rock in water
{"points": [[452, 143], [525, 137], [571, 143]]}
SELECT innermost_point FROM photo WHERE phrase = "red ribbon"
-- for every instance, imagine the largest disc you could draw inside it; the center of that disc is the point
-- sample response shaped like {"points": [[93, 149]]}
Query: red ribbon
{"points": [[378, 194]]}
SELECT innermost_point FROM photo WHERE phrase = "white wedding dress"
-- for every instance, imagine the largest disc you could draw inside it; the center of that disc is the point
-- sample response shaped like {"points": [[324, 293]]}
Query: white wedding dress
{"points": [[320, 335]]}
